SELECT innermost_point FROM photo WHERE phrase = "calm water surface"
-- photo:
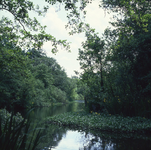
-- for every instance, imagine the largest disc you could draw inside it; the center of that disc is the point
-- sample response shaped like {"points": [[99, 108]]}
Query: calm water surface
{"points": [[59, 138]]}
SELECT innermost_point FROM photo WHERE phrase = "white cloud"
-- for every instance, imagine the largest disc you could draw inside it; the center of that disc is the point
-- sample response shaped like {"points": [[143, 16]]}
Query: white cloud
{"points": [[97, 19], [55, 22], [55, 25]]}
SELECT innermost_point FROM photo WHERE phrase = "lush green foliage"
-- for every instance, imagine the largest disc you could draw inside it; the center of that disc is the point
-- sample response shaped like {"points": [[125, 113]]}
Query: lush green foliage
{"points": [[14, 132], [30, 79], [102, 122], [27, 77], [14, 77], [123, 60], [6, 116], [117, 66], [30, 32]]}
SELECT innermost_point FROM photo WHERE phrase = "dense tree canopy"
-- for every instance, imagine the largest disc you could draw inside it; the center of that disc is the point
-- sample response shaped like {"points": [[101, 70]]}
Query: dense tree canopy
{"points": [[127, 67], [33, 79], [27, 31], [116, 77], [117, 66], [27, 76]]}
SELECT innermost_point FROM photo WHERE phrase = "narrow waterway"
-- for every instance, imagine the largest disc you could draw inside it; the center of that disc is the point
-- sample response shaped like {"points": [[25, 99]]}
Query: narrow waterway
{"points": [[61, 138]]}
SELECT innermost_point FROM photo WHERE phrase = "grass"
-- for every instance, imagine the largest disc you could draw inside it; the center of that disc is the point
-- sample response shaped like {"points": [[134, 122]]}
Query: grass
{"points": [[102, 122], [14, 133]]}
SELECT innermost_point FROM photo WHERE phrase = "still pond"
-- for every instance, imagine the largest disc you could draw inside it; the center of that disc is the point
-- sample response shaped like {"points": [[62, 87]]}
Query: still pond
{"points": [[61, 138]]}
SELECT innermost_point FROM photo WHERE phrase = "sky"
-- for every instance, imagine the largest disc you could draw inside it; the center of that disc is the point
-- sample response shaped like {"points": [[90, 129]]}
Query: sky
{"points": [[56, 20]]}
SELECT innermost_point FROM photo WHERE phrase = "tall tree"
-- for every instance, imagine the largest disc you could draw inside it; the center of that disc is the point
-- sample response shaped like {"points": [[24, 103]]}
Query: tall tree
{"points": [[91, 61], [130, 53]]}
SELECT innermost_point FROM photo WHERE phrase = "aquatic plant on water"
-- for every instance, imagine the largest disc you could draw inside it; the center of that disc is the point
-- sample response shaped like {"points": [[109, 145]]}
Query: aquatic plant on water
{"points": [[102, 122]]}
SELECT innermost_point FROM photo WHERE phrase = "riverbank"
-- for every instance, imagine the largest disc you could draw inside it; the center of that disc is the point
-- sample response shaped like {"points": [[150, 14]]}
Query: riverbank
{"points": [[48, 104], [102, 122]]}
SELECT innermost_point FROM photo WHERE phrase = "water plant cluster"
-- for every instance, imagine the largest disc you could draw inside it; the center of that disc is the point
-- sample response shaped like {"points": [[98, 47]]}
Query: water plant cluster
{"points": [[102, 122]]}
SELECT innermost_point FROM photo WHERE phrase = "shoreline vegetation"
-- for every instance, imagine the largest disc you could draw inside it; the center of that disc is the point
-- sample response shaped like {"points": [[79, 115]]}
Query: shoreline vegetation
{"points": [[48, 104], [102, 122], [15, 132]]}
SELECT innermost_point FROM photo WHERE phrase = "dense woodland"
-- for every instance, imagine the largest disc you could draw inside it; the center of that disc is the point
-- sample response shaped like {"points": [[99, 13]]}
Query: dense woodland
{"points": [[116, 77], [32, 79], [116, 67]]}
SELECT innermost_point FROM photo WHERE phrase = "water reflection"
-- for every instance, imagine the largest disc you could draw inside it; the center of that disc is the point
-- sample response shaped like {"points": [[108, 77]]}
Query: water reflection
{"points": [[41, 113], [75, 140], [65, 139], [58, 138]]}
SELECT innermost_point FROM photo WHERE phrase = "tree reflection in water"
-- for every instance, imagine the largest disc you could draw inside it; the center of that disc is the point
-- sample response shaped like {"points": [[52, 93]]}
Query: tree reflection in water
{"points": [[91, 142]]}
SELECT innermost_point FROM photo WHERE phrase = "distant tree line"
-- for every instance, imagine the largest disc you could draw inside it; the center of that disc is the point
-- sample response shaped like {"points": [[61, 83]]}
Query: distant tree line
{"points": [[28, 77], [31, 79], [116, 67]]}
